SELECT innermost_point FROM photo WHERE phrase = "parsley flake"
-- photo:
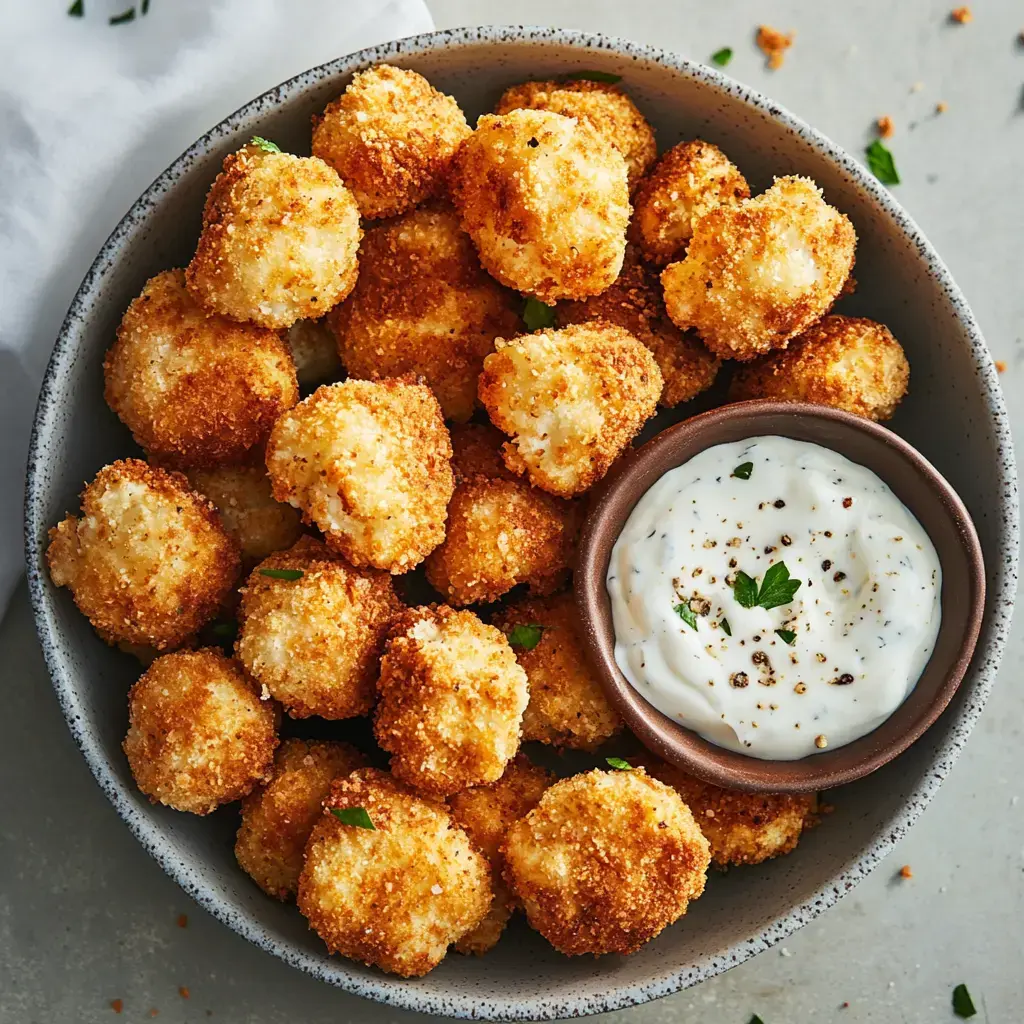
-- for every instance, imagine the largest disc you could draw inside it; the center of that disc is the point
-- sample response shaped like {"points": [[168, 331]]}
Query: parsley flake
{"points": [[755, 1020], [265, 144], [354, 816], [743, 471], [619, 764], [722, 57], [776, 588], [882, 164], [77, 9], [122, 18], [687, 614], [726, 628], [593, 76], [282, 574], [526, 637], [788, 636], [145, 6], [963, 1004], [537, 314]]}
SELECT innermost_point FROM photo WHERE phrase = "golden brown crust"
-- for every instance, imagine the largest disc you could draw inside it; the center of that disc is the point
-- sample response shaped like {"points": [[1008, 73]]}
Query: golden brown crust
{"points": [[476, 451]]}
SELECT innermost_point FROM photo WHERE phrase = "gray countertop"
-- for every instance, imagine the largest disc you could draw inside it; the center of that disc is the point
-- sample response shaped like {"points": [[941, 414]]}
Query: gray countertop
{"points": [[86, 917]]}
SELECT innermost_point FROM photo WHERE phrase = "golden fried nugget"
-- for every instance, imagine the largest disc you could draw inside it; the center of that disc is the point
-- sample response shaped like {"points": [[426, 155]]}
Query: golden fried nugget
{"points": [[314, 351], [476, 451]]}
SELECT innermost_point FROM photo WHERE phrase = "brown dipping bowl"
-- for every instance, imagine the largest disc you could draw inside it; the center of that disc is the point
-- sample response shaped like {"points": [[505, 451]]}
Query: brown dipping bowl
{"points": [[913, 480]]}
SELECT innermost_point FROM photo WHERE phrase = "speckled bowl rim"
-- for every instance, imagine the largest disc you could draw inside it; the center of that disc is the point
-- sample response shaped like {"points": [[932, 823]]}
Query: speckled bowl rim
{"points": [[470, 1003]]}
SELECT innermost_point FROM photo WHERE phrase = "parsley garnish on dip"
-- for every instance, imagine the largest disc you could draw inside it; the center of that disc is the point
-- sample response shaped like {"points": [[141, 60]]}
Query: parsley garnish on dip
{"points": [[777, 611]]}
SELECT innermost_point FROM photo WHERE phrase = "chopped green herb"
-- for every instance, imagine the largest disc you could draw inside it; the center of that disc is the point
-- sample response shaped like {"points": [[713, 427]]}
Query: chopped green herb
{"points": [[722, 57], [619, 764], [124, 16], [687, 614], [225, 630], [282, 574], [527, 637], [788, 636], [145, 6], [354, 816], [593, 76], [963, 1004], [882, 164], [77, 9], [726, 628], [537, 314], [743, 471], [755, 1020], [776, 588], [745, 590], [265, 144]]}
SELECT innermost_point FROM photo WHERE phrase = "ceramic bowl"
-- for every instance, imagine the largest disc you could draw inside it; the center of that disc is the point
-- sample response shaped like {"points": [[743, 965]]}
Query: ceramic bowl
{"points": [[954, 415]]}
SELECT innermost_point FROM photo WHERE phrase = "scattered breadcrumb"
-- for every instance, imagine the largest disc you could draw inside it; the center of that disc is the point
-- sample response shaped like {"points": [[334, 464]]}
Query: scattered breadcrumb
{"points": [[917, 87], [774, 44], [905, 872], [885, 126], [844, 1005], [941, 107], [785, 952], [183, 920], [154, 1012], [1000, 366], [117, 1005], [961, 15], [184, 992]]}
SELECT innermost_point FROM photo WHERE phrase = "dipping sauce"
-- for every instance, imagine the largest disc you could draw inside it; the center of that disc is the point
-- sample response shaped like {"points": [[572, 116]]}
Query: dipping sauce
{"points": [[774, 597]]}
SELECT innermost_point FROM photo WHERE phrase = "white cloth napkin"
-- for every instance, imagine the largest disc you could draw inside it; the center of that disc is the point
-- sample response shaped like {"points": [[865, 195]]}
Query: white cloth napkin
{"points": [[90, 113]]}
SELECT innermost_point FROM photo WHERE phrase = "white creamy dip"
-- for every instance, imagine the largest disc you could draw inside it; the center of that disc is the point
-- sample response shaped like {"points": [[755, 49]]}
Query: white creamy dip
{"points": [[799, 668]]}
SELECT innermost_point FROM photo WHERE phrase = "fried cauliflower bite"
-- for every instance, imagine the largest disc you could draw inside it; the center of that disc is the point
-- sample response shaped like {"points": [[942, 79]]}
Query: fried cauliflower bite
{"points": [[567, 706], [391, 136], [314, 642], [424, 305], [369, 464], [451, 700], [759, 272], [605, 861], [545, 200], [277, 818], [476, 451], [571, 400], [844, 361], [634, 303], [198, 734], [501, 533], [147, 560], [279, 242], [397, 895], [194, 388], [605, 106], [689, 180], [314, 351]]}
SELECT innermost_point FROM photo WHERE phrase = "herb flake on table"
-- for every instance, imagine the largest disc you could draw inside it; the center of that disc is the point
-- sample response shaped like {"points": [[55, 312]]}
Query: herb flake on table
{"points": [[776, 588], [722, 57], [77, 9], [743, 471], [726, 628], [619, 764], [593, 76], [788, 636], [356, 816], [122, 18], [963, 1004], [537, 315], [265, 144], [755, 1020], [282, 574], [687, 614], [882, 164], [526, 637]]}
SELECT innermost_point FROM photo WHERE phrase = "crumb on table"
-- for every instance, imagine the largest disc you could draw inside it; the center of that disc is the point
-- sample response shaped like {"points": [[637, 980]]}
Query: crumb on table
{"points": [[1000, 366], [117, 1005], [961, 15], [905, 872], [774, 44], [941, 107], [183, 920], [885, 126], [183, 992]]}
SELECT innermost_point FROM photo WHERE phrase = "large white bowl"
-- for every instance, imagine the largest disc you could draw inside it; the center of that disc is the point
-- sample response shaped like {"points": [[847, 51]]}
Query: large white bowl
{"points": [[954, 415]]}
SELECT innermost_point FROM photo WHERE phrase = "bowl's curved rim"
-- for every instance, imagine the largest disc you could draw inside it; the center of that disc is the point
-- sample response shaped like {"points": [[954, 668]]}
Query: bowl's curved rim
{"points": [[472, 1004]]}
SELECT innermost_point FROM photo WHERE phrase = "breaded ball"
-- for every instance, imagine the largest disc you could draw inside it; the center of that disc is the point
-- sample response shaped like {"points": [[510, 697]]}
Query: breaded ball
{"points": [[571, 400], [424, 305], [369, 464], [686, 182], [605, 106], [451, 700], [277, 818], [314, 351], [502, 533], [759, 272], [567, 706], [476, 451], [198, 734], [391, 136], [194, 388], [314, 642], [486, 813], [147, 561], [397, 895], [279, 242], [844, 361], [545, 200], [634, 302], [742, 828], [605, 861]]}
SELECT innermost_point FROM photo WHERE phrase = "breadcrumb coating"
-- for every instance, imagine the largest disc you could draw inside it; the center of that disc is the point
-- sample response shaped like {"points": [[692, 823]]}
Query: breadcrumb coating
{"points": [[198, 734], [395, 896], [567, 706], [424, 305], [315, 642], [571, 400], [314, 351], [847, 362], [604, 105], [369, 464], [634, 302], [147, 560], [279, 242], [688, 180], [476, 451], [391, 136], [451, 700], [759, 272], [605, 861], [545, 199], [278, 818], [195, 388]]}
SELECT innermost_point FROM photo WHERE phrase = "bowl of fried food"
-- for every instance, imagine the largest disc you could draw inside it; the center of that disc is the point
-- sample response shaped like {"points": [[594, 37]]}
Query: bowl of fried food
{"points": [[309, 467]]}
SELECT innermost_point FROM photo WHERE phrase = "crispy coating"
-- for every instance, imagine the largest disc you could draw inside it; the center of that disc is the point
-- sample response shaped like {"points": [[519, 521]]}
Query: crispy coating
{"points": [[369, 464], [571, 400], [741, 828], [451, 700], [277, 818], [605, 861], [567, 706], [486, 813], [424, 305], [279, 242], [314, 351], [391, 136], [194, 388], [605, 106], [545, 200], [686, 182], [847, 362], [198, 734], [315, 642], [395, 896], [147, 561], [476, 451], [759, 272], [634, 302], [502, 533]]}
